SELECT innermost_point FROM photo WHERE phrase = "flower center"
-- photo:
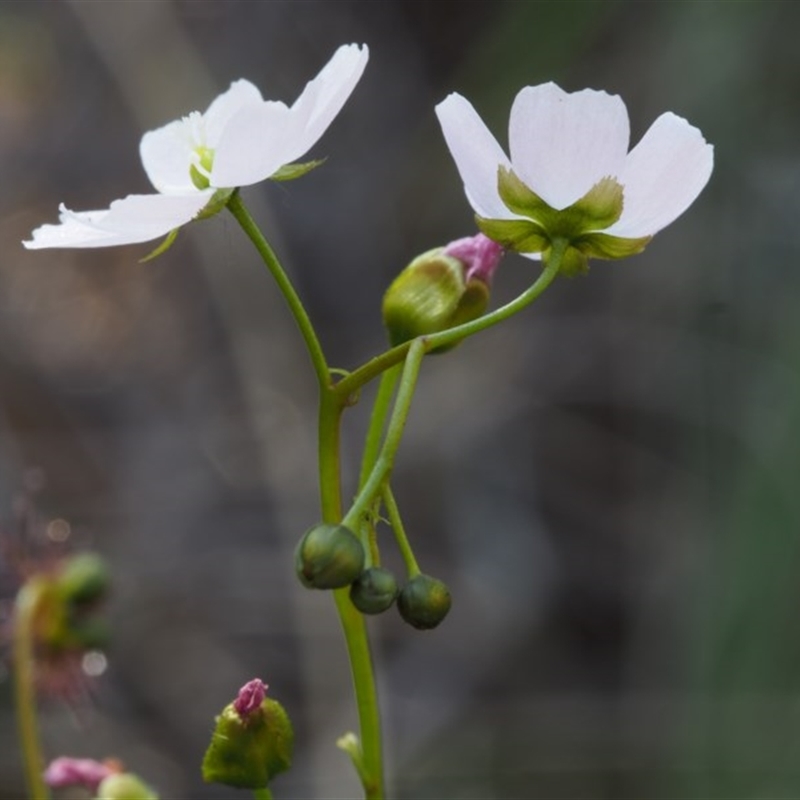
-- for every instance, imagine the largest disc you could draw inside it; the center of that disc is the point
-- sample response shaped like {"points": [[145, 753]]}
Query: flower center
{"points": [[200, 169], [201, 158]]}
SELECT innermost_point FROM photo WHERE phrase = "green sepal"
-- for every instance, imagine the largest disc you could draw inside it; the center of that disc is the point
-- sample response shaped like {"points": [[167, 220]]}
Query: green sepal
{"points": [[289, 172], [217, 202], [602, 245], [430, 295], [600, 207], [248, 752], [573, 263], [163, 247], [519, 235]]}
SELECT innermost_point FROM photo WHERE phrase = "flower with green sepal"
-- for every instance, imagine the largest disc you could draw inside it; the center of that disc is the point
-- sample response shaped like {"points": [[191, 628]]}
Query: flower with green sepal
{"points": [[195, 163], [570, 176]]}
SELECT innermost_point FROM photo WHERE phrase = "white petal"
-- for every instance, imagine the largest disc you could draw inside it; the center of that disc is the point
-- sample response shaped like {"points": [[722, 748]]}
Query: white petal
{"points": [[137, 218], [323, 97], [167, 153], [166, 156], [241, 94], [476, 153], [256, 142], [662, 176], [562, 144]]}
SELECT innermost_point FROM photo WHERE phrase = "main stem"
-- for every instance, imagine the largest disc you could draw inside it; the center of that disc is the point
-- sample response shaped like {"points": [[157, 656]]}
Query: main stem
{"points": [[353, 623], [24, 691], [331, 407]]}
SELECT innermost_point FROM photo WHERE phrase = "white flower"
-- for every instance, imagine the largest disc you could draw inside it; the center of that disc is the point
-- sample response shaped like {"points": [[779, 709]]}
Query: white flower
{"points": [[240, 140], [570, 152]]}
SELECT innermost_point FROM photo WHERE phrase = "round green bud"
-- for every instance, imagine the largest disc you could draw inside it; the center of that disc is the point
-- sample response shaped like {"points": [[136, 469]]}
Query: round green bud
{"points": [[124, 786], [329, 557], [430, 295], [247, 752], [83, 579], [374, 591], [424, 602]]}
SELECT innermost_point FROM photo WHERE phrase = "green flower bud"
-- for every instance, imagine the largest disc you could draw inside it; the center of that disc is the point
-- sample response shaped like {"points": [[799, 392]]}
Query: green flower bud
{"points": [[374, 591], [430, 295], [248, 749], [83, 579], [424, 602], [329, 557], [124, 786]]}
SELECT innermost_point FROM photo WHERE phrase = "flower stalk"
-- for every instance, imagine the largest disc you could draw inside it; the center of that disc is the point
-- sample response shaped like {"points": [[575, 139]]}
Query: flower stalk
{"points": [[24, 666], [243, 217]]}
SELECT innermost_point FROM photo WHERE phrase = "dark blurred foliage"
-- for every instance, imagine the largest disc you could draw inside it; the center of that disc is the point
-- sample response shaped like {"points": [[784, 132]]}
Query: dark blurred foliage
{"points": [[608, 482]]}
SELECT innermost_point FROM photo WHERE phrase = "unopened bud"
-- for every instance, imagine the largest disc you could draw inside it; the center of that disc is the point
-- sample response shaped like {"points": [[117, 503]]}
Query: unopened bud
{"points": [[124, 786], [329, 557], [424, 602], [68, 771], [83, 579], [440, 289], [374, 591], [250, 747]]}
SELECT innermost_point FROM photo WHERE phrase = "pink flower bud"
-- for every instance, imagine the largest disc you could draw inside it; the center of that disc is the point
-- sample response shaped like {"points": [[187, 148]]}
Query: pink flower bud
{"points": [[66, 771], [479, 254], [250, 697]]}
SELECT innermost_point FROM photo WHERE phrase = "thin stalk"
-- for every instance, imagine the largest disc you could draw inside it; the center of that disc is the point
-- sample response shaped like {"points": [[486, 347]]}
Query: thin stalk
{"points": [[380, 363], [385, 461], [24, 691], [353, 624], [242, 216], [380, 411], [396, 522], [262, 794], [331, 407]]}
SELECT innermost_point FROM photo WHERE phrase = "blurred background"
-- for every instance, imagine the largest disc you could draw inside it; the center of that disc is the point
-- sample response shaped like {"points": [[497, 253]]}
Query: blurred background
{"points": [[609, 482]]}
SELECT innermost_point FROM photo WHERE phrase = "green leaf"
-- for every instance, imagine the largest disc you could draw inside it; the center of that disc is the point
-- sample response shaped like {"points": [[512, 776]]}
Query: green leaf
{"points": [[601, 245], [519, 235], [288, 172], [163, 247]]}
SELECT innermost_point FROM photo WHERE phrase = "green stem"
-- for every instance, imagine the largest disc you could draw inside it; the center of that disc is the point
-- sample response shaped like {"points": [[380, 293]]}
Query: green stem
{"points": [[24, 691], [377, 422], [332, 405], [242, 215], [383, 464], [380, 363], [353, 624], [262, 794], [399, 532]]}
